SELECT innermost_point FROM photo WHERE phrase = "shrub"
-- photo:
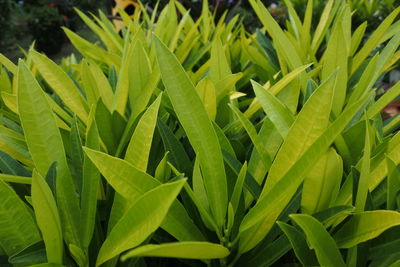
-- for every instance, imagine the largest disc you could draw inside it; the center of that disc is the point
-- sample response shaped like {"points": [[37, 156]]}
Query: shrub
{"points": [[201, 142]]}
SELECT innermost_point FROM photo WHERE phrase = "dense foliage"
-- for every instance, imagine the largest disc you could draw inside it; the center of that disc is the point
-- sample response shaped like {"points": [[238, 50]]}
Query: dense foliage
{"points": [[178, 141]]}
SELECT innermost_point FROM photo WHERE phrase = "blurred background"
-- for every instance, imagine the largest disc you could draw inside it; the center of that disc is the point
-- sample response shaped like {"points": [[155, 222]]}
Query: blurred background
{"points": [[25, 21]]}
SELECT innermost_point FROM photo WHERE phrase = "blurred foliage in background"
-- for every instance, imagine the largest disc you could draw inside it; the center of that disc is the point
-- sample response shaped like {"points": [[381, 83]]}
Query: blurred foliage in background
{"points": [[23, 21], [5, 9]]}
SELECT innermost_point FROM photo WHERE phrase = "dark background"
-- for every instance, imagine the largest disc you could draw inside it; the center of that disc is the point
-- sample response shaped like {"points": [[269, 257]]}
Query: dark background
{"points": [[25, 21]]}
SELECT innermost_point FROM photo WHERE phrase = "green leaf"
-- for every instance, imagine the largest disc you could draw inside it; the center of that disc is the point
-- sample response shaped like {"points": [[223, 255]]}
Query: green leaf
{"points": [[393, 184], [357, 37], [198, 187], [323, 25], [105, 38], [178, 156], [330, 214], [8, 64], [219, 68], [395, 264], [17, 227], [259, 220], [105, 126], [131, 184], [51, 178], [267, 255], [163, 171], [272, 141], [15, 179], [122, 87], [255, 138], [92, 51], [101, 84], [76, 165], [364, 226], [276, 111], [46, 146], [299, 244], [47, 265], [223, 140], [183, 250], [294, 19], [365, 82], [47, 218], [320, 240], [16, 148], [198, 127], [250, 183], [61, 84], [322, 183], [238, 189], [374, 40], [206, 90], [138, 150], [281, 42], [5, 80], [32, 254], [90, 184], [77, 254], [141, 220], [311, 122], [41, 133], [363, 184], [126, 179], [287, 79], [335, 58], [9, 165], [89, 84], [141, 78], [226, 86]]}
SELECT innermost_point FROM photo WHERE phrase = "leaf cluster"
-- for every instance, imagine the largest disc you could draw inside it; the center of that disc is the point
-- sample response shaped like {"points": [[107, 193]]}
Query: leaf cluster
{"points": [[198, 141]]}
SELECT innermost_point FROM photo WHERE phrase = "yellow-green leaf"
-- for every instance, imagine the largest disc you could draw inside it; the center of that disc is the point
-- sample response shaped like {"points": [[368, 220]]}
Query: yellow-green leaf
{"points": [[183, 250], [141, 220]]}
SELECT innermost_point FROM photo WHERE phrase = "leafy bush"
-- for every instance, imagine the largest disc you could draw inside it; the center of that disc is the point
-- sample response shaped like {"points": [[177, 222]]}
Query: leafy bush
{"points": [[200, 142]]}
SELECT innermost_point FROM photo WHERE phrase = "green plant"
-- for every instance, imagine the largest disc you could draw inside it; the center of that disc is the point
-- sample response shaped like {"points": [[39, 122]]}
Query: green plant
{"points": [[372, 11], [276, 140]]}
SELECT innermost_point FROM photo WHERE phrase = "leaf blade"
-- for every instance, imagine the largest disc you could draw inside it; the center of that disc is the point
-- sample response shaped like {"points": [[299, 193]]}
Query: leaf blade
{"points": [[143, 218], [183, 250], [192, 114]]}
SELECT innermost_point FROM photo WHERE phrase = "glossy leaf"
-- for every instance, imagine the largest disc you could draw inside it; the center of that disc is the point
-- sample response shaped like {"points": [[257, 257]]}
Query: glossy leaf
{"points": [[18, 229], [315, 114], [90, 185], [47, 218], [61, 84], [325, 247], [198, 127], [321, 184], [138, 149], [269, 207], [45, 145], [141, 219], [364, 226], [184, 250], [277, 112], [131, 184], [299, 244]]}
